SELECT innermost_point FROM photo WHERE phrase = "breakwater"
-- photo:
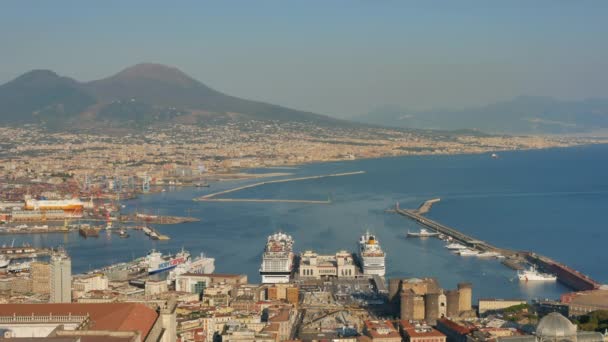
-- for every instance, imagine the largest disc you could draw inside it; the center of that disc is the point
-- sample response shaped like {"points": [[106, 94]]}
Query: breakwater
{"points": [[566, 275], [211, 197]]}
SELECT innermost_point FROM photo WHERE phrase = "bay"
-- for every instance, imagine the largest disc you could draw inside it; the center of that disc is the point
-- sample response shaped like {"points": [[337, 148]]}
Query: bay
{"points": [[550, 201]]}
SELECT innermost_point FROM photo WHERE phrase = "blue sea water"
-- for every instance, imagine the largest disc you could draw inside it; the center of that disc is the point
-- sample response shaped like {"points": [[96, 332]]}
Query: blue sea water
{"points": [[551, 201]]}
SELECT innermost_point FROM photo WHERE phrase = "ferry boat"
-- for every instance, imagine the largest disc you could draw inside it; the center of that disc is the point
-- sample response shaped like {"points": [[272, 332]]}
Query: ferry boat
{"points": [[277, 261], [200, 265], [157, 263], [371, 255], [422, 233], [532, 274]]}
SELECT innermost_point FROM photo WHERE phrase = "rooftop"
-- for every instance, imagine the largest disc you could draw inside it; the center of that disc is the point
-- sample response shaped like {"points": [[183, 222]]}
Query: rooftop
{"points": [[106, 316]]}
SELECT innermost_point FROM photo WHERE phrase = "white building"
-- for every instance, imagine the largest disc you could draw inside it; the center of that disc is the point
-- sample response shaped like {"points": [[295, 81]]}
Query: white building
{"points": [[61, 279], [340, 265]]}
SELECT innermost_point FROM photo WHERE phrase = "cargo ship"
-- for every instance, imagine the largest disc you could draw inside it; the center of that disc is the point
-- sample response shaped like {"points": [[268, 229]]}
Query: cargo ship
{"points": [[277, 261], [156, 262], [66, 205], [371, 255]]}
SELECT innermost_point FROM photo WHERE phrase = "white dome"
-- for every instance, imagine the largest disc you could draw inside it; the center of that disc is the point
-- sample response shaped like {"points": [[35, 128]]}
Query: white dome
{"points": [[555, 325]]}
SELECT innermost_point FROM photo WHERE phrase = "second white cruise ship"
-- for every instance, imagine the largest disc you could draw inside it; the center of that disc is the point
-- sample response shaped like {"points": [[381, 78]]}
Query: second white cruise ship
{"points": [[371, 255], [277, 261]]}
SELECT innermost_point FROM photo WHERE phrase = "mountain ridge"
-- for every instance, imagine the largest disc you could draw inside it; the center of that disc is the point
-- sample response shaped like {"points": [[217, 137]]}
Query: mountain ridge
{"points": [[140, 95], [520, 115]]}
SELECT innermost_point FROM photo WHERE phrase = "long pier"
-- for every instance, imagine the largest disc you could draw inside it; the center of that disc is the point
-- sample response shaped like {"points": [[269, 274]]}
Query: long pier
{"points": [[566, 275], [264, 200], [210, 197], [449, 231]]}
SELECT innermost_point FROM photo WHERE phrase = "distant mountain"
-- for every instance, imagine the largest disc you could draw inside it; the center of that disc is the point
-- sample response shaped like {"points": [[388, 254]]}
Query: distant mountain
{"points": [[41, 95], [522, 115], [141, 95]]}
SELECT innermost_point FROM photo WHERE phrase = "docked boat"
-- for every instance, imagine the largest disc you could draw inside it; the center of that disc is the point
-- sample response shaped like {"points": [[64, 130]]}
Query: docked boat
{"points": [[455, 246], [532, 274], [200, 265], [371, 255], [422, 233], [156, 262], [467, 252], [4, 261], [19, 266], [88, 231], [277, 261]]}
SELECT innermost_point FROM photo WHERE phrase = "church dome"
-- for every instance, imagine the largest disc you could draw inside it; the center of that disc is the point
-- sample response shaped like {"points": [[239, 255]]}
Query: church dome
{"points": [[555, 325]]}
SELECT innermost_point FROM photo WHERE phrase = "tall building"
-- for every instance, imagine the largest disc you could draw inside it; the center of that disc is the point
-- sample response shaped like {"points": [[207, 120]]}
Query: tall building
{"points": [[61, 278]]}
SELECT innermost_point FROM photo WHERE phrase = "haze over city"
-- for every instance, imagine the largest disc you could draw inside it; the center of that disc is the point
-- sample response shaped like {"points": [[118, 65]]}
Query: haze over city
{"points": [[337, 58]]}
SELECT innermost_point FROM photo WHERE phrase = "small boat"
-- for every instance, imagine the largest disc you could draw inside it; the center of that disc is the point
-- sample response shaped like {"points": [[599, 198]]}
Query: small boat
{"points": [[494, 156], [422, 233], [202, 185], [488, 255], [455, 246], [467, 252], [123, 234]]}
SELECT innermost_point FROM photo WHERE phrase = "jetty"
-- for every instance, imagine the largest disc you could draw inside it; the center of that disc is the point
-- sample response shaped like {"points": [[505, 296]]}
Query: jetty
{"points": [[211, 197], [426, 206], [515, 260]]}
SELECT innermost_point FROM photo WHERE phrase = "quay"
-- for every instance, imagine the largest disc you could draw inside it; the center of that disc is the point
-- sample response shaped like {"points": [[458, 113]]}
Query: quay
{"points": [[515, 260], [249, 186], [24, 252], [157, 219]]}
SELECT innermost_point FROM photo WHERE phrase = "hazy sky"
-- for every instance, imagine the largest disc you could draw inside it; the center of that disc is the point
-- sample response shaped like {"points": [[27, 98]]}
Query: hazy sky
{"points": [[340, 58]]}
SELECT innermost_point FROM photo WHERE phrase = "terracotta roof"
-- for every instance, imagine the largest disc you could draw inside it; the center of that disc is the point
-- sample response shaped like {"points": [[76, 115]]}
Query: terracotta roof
{"points": [[462, 330], [104, 316]]}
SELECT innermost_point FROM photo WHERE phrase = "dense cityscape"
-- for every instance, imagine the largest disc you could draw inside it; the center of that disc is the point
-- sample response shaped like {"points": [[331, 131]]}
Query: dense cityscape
{"points": [[312, 171], [62, 182]]}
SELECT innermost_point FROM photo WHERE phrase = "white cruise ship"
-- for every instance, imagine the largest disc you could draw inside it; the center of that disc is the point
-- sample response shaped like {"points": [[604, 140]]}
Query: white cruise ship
{"points": [[371, 255], [533, 274], [277, 261]]}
